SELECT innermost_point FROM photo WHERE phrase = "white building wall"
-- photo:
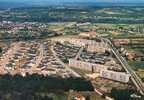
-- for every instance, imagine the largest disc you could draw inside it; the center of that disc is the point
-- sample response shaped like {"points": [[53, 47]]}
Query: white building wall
{"points": [[104, 73], [86, 65], [117, 76], [82, 42]]}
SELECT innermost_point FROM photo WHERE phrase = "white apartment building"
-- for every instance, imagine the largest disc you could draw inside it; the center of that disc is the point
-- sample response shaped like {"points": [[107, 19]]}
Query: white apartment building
{"points": [[117, 76], [102, 69], [97, 47], [86, 65], [91, 45]]}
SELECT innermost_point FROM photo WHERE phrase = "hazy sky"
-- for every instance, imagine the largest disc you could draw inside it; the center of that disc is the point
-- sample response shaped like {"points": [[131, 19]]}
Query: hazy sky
{"points": [[138, 1]]}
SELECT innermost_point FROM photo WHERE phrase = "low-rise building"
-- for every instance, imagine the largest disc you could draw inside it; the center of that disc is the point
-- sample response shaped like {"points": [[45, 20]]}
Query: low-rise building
{"points": [[131, 55], [91, 34], [118, 42]]}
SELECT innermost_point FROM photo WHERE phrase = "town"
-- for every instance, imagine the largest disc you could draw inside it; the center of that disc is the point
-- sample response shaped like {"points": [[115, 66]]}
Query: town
{"points": [[81, 60], [63, 56]]}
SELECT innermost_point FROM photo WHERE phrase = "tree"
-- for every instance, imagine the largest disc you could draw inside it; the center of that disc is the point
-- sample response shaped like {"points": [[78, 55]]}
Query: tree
{"points": [[1, 49]]}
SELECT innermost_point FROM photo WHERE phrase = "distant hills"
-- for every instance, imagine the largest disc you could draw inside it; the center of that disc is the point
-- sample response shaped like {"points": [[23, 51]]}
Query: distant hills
{"points": [[5, 4], [82, 1]]}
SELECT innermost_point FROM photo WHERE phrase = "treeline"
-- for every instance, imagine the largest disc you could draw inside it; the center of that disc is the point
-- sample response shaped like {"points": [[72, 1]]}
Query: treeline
{"points": [[49, 19], [122, 94], [40, 83], [27, 88]]}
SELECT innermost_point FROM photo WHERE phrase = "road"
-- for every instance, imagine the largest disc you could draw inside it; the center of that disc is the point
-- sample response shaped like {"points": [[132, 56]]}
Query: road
{"points": [[134, 77], [66, 67], [9, 54], [39, 57], [79, 53]]}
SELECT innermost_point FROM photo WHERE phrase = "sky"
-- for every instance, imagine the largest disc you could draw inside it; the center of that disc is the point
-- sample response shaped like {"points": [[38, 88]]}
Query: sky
{"points": [[113, 1]]}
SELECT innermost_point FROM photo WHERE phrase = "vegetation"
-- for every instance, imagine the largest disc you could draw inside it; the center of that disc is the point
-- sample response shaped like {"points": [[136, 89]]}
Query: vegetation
{"points": [[79, 14], [123, 94], [28, 87]]}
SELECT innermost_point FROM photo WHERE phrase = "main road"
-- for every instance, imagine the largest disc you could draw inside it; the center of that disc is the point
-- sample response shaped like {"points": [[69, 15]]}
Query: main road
{"points": [[134, 77]]}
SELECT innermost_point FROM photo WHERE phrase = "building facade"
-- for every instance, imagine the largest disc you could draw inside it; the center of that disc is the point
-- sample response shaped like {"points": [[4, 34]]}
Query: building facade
{"points": [[117, 76], [101, 69], [86, 65], [91, 45]]}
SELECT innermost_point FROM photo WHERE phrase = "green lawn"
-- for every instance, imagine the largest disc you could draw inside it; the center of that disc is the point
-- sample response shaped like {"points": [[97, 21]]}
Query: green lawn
{"points": [[136, 64]]}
